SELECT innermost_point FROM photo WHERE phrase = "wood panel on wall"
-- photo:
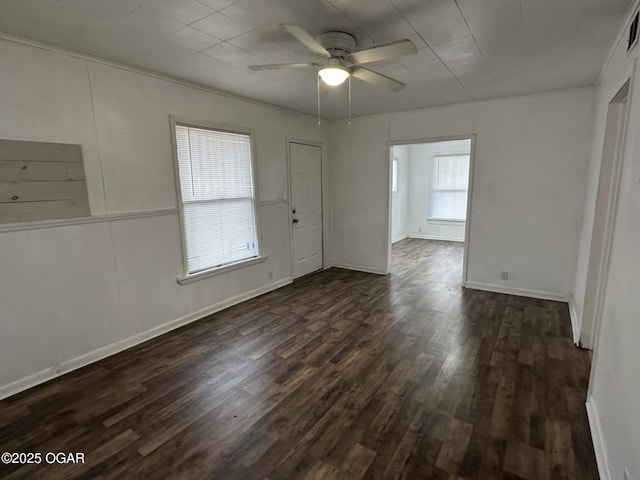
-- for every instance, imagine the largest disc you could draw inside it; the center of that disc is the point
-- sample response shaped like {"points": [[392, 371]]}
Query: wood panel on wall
{"points": [[41, 181]]}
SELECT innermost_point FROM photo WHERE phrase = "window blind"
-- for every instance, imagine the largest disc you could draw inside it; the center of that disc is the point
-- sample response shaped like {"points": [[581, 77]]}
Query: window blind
{"points": [[449, 187], [218, 201]]}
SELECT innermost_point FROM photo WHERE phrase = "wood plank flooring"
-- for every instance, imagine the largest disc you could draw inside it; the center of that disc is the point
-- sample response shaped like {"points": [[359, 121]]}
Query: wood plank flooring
{"points": [[342, 375]]}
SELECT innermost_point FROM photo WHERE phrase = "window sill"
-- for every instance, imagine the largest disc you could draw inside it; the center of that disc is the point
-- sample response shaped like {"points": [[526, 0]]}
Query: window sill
{"points": [[194, 277], [444, 221]]}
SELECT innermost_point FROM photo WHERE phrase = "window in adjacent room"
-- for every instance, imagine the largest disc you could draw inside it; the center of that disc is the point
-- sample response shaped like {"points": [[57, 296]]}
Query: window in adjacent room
{"points": [[394, 176], [218, 197], [450, 179]]}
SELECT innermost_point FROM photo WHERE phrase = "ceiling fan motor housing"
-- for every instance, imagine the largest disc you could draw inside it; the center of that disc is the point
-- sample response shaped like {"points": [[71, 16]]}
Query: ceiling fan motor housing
{"points": [[338, 44]]}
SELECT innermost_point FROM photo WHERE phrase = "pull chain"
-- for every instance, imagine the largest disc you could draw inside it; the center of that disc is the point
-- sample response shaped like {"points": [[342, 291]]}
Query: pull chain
{"points": [[319, 121], [349, 121]]}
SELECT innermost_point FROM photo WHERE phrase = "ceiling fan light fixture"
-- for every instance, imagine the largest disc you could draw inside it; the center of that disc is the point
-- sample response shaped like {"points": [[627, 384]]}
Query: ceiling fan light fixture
{"points": [[334, 75]]}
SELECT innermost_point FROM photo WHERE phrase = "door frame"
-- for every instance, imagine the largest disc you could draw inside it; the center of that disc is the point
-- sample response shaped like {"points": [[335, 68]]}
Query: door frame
{"points": [[467, 225], [601, 272], [311, 143], [610, 224]]}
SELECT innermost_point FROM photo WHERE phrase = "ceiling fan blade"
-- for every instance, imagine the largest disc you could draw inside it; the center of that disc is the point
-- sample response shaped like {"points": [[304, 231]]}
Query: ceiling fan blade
{"points": [[377, 79], [275, 66], [384, 52], [306, 39]]}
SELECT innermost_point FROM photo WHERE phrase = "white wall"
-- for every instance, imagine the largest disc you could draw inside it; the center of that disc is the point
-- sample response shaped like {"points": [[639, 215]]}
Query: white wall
{"points": [[614, 390], [71, 294], [532, 155], [421, 160], [400, 200]]}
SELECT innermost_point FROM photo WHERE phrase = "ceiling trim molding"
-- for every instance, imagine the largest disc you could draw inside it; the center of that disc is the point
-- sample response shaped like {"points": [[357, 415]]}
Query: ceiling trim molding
{"points": [[472, 103], [123, 66]]}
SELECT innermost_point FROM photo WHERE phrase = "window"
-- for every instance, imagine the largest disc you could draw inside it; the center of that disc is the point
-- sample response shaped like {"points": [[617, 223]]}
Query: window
{"points": [[449, 187], [218, 197], [394, 176]]}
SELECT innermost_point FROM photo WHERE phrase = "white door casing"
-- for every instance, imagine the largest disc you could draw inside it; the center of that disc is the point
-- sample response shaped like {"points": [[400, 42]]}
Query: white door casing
{"points": [[604, 216], [306, 207]]}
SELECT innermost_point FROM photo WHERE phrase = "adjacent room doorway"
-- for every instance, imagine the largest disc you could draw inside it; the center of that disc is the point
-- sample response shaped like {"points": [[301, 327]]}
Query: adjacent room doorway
{"points": [[429, 205], [604, 216], [305, 188]]}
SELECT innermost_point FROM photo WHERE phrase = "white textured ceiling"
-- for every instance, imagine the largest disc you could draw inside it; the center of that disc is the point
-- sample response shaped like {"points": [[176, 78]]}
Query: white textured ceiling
{"points": [[467, 49]]}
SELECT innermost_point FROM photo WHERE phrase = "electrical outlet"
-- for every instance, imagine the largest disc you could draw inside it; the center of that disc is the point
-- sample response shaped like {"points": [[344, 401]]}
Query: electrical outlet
{"points": [[504, 275], [420, 229], [270, 274]]}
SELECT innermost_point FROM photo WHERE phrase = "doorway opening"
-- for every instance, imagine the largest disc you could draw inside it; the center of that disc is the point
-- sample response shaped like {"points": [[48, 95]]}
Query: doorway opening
{"points": [[429, 206], [604, 216]]}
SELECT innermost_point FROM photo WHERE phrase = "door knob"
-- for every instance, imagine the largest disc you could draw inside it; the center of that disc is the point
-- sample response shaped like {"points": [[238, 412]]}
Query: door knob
{"points": [[295, 220], [293, 211]]}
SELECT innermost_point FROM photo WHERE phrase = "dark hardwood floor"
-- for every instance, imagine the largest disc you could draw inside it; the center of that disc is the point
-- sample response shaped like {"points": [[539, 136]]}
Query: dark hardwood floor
{"points": [[342, 375]]}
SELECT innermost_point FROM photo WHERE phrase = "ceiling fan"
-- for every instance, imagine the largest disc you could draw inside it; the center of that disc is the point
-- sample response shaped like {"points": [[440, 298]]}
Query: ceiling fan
{"points": [[342, 62]]}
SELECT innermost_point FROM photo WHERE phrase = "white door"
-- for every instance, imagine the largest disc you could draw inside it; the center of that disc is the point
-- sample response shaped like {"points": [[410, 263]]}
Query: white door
{"points": [[306, 207]]}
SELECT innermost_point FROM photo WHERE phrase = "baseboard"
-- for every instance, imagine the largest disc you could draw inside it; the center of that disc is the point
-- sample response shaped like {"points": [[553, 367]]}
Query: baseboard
{"points": [[113, 348], [397, 239], [598, 441], [435, 237], [359, 268], [573, 314], [522, 292]]}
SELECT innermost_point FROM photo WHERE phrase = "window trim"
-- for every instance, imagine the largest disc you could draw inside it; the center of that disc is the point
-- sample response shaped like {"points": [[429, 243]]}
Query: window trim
{"points": [[188, 277], [440, 220], [444, 221], [212, 272]]}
